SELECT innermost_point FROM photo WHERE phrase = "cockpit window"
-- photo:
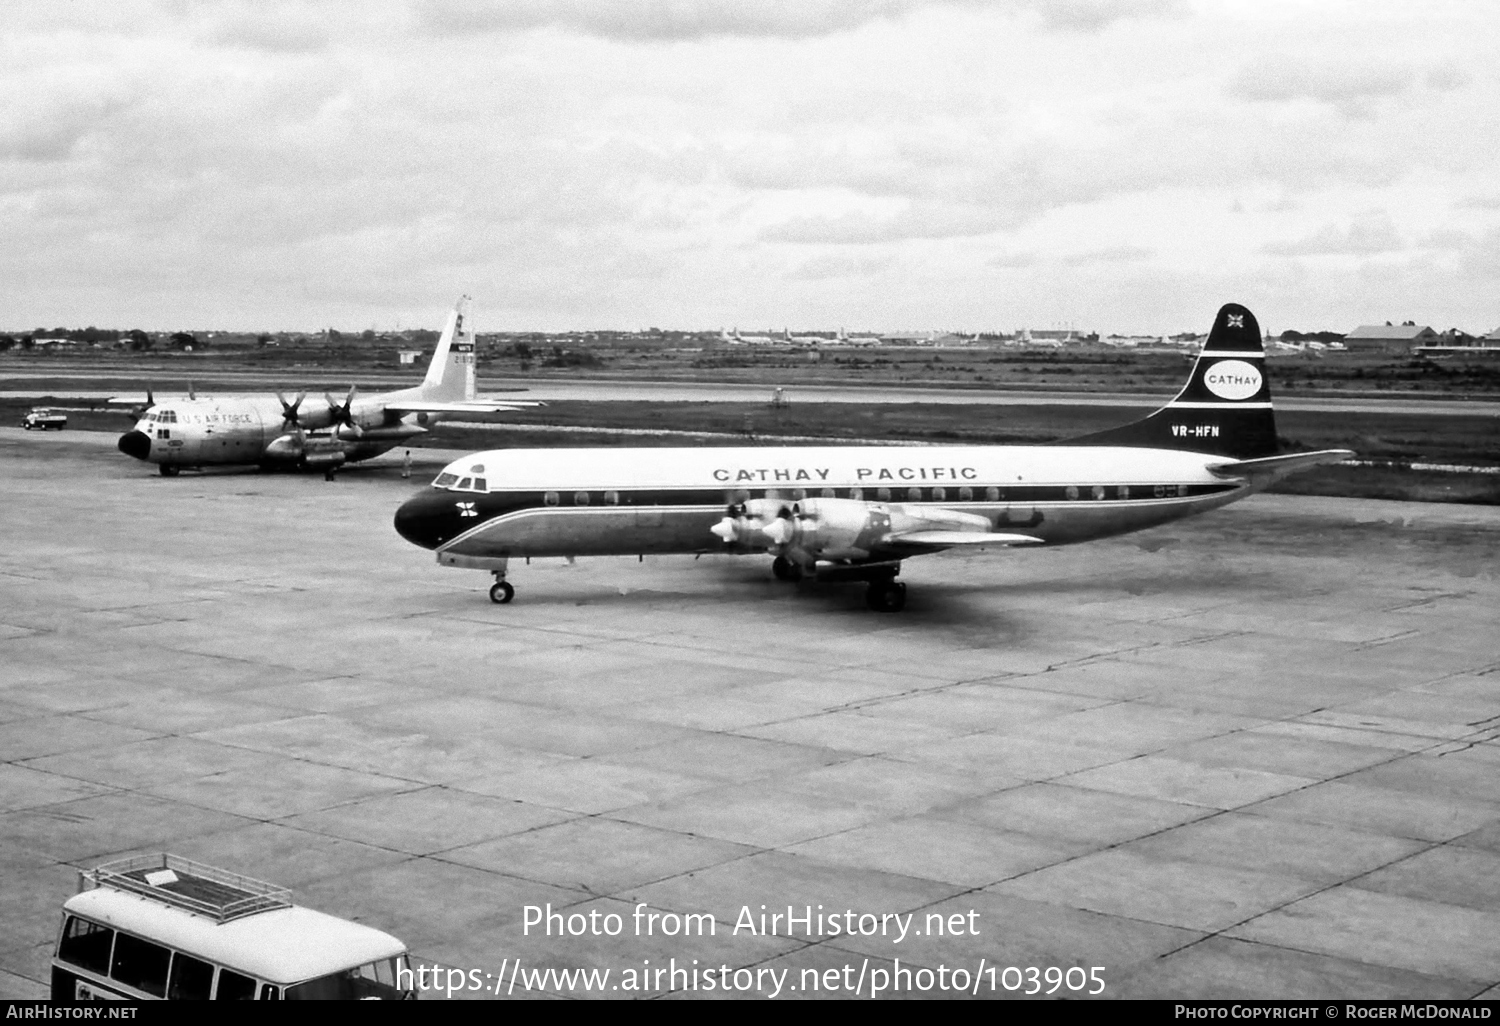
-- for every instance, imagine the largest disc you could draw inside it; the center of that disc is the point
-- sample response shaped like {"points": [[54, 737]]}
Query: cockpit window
{"points": [[477, 468], [465, 484]]}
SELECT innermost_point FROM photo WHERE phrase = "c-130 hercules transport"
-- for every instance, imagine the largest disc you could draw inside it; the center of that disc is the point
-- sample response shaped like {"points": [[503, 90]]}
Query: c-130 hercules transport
{"points": [[271, 432], [855, 512]]}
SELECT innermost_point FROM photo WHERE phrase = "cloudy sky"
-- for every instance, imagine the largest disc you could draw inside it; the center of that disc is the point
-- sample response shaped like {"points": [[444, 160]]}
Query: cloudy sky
{"points": [[1119, 165]]}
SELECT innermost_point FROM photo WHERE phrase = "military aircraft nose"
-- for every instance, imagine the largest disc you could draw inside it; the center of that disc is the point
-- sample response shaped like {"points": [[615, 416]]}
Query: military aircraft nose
{"points": [[426, 519], [135, 443]]}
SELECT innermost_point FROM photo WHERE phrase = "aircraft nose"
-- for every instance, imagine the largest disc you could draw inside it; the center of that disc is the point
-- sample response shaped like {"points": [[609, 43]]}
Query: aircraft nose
{"points": [[135, 443], [426, 519]]}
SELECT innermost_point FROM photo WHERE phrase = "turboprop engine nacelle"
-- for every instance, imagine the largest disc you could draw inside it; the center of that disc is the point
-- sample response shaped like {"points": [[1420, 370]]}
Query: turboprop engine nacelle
{"points": [[839, 529], [756, 524], [312, 451]]}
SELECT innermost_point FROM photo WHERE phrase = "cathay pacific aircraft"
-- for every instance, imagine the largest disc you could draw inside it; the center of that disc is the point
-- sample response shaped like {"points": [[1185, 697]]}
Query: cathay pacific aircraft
{"points": [[855, 512]]}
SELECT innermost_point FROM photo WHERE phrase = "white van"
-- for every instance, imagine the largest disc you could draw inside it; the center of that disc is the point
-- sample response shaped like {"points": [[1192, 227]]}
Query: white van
{"points": [[161, 926]]}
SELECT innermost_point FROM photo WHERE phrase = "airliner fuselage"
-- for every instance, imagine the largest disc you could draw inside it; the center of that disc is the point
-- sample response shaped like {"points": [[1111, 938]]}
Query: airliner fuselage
{"points": [[855, 512]]}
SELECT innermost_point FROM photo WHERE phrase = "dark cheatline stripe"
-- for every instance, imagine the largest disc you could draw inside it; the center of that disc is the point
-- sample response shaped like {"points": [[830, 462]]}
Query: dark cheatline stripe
{"points": [[500, 503]]}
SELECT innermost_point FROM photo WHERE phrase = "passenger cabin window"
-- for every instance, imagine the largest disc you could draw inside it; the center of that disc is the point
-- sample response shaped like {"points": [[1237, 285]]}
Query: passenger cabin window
{"points": [[191, 979], [992, 493], [883, 494], [856, 493], [966, 494], [1072, 491], [611, 498], [828, 493], [580, 498], [140, 964], [552, 498], [86, 945], [1124, 491], [234, 987], [1098, 491], [939, 494], [914, 495]]}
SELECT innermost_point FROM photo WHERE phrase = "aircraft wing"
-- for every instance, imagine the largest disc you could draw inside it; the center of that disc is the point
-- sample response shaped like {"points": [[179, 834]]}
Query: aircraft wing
{"points": [[927, 540], [468, 406], [1276, 466]]}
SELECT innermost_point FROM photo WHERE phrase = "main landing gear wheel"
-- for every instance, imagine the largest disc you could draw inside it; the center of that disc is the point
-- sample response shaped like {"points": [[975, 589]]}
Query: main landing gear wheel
{"points": [[785, 569], [168, 470], [501, 592], [886, 596]]}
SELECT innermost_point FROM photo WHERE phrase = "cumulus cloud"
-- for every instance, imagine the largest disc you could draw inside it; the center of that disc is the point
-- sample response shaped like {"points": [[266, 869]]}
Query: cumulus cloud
{"points": [[822, 268], [1367, 236], [1025, 258], [1109, 255], [927, 219], [1095, 15], [659, 19], [1448, 78], [663, 20], [1351, 88]]}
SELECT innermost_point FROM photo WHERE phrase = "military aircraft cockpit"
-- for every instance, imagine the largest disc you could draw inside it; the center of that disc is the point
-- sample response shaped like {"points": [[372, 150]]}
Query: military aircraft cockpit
{"points": [[467, 480]]}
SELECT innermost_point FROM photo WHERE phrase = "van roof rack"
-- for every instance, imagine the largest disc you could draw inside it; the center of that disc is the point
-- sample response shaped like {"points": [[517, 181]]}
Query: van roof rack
{"points": [[183, 883]]}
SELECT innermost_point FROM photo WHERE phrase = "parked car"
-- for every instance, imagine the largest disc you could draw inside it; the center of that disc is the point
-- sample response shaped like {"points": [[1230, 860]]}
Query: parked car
{"points": [[44, 418]]}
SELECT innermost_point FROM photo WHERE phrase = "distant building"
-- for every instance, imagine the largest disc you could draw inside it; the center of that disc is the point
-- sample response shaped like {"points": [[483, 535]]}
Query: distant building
{"points": [[408, 356], [1389, 337]]}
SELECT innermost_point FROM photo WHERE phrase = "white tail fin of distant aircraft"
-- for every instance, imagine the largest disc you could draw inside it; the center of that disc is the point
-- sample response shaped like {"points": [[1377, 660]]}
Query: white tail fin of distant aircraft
{"points": [[450, 376]]}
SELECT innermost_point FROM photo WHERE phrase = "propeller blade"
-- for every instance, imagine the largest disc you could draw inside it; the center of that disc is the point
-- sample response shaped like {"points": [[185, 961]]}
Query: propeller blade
{"points": [[779, 531], [344, 413]]}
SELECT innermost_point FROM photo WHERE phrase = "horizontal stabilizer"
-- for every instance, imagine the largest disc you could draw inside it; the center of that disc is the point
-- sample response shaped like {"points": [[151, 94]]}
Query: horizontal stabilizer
{"points": [[960, 538], [1275, 466]]}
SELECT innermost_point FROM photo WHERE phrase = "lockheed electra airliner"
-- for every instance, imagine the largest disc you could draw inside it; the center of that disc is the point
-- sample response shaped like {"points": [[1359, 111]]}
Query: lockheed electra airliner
{"points": [[856, 512], [269, 431]]}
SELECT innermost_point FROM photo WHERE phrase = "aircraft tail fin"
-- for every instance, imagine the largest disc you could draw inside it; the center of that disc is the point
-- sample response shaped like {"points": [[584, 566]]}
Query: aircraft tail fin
{"points": [[1225, 407], [450, 375]]}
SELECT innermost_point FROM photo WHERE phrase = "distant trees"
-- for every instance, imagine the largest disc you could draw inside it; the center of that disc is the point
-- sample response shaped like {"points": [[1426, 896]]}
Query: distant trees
{"points": [[183, 340]]}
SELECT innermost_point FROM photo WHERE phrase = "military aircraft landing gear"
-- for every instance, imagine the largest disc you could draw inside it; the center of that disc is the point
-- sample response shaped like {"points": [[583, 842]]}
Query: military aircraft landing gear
{"points": [[886, 595], [169, 470], [785, 569]]}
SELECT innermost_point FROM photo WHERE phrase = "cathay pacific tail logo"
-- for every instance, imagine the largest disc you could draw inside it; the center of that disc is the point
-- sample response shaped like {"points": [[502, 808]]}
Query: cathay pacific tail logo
{"points": [[1232, 379]]}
